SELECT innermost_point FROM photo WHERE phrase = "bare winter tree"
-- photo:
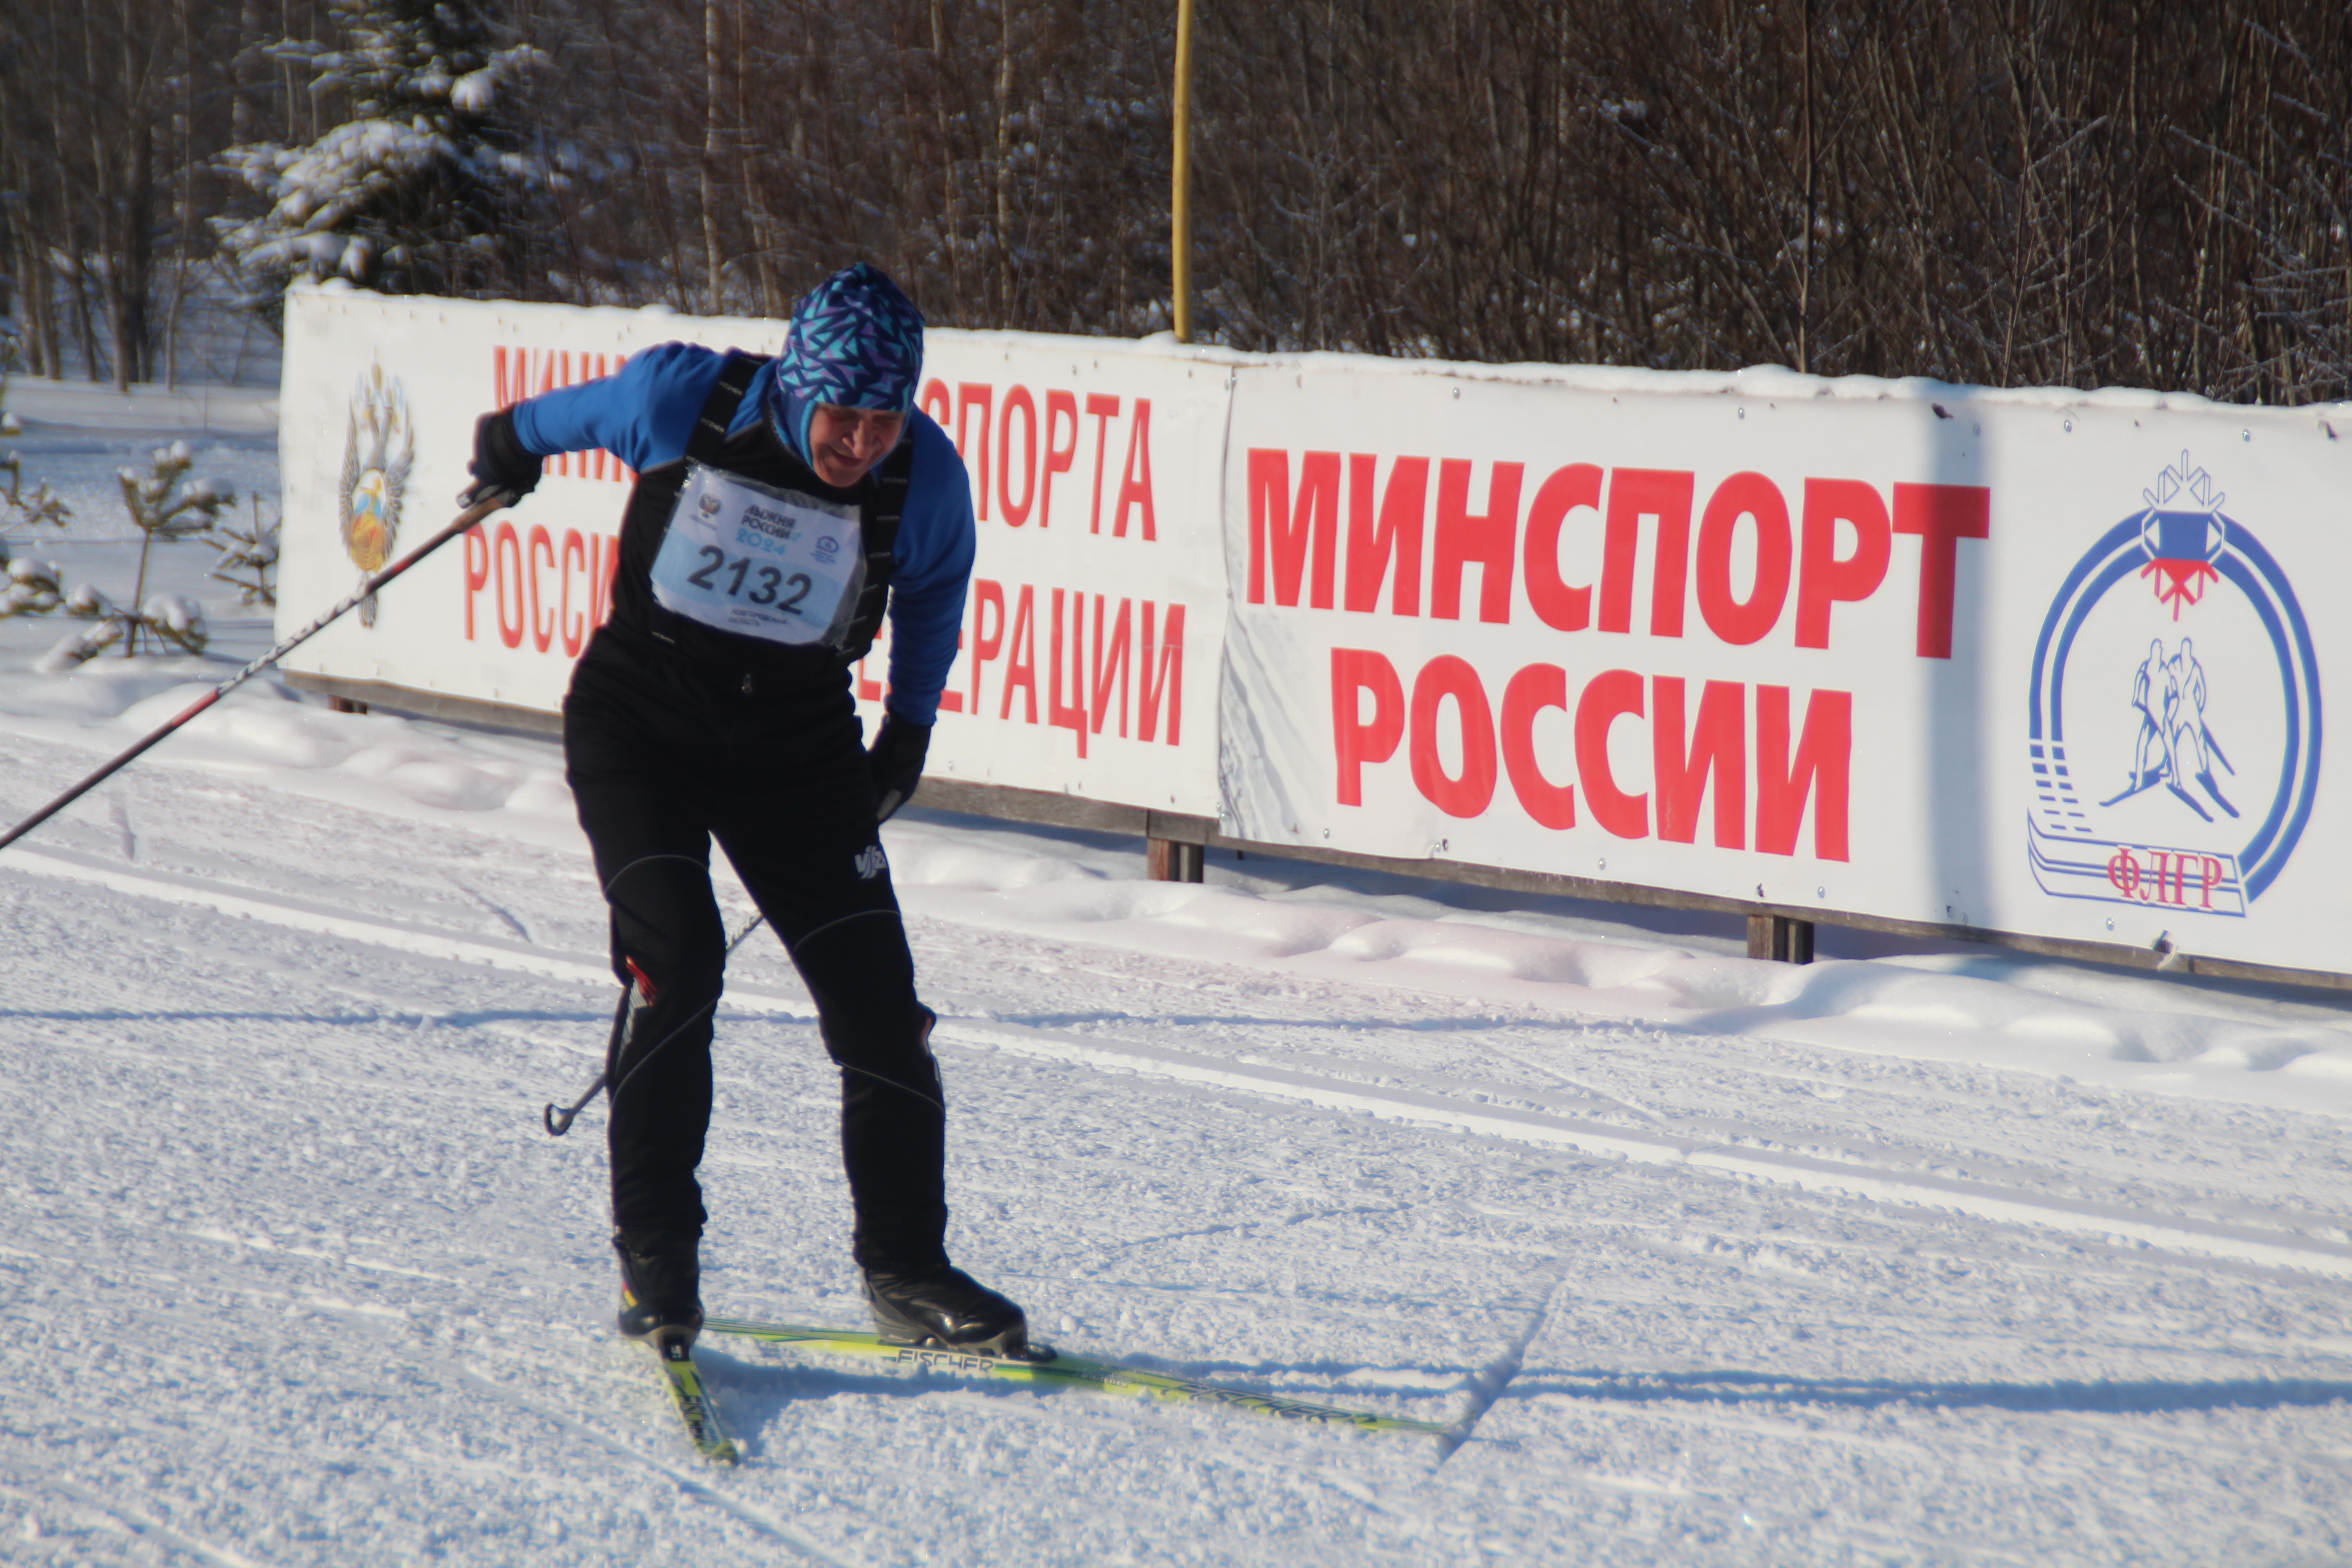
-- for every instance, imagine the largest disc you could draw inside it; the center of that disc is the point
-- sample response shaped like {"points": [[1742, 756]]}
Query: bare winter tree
{"points": [[111, 114], [1998, 191], [2079, 192]]}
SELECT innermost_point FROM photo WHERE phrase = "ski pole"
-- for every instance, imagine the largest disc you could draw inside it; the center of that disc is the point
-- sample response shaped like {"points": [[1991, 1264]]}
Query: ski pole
{"points": [[558, 1119], [466, 520]]}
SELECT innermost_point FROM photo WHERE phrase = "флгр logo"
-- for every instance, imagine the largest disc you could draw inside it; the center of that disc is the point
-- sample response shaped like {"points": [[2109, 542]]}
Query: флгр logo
{"points": [[2176, 713]]}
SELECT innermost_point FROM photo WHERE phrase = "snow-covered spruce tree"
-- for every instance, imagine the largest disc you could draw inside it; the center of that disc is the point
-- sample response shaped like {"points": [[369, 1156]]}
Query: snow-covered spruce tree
{"points": [[427, 186]]}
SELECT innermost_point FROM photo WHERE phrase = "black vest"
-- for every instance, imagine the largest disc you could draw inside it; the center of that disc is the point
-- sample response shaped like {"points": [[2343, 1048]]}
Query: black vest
{"points": [[760, 454]]}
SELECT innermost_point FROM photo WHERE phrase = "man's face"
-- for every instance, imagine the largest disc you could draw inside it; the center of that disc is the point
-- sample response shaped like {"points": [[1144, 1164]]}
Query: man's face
{"points": [[845, 442]]}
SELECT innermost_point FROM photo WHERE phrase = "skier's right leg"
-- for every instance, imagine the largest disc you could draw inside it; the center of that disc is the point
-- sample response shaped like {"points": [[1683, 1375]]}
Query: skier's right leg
{"points": [[634, 756]]}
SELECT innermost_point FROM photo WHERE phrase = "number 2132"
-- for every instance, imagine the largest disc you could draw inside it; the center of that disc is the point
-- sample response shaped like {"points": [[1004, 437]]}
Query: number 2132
{"points": [[769, 580]]}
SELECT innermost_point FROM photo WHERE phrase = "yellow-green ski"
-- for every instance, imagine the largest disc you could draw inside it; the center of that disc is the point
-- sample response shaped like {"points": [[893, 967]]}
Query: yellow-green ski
{"points": [[694, 1407], [1068, 1371]]}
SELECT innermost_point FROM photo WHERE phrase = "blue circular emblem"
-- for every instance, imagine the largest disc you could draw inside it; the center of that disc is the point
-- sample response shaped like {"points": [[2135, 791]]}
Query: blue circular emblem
{"points": [[2173, 684]]}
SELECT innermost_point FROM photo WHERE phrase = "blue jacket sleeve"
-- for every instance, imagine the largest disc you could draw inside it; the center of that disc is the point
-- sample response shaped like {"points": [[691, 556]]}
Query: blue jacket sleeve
{"points": [[642, 416], [932, 572]]}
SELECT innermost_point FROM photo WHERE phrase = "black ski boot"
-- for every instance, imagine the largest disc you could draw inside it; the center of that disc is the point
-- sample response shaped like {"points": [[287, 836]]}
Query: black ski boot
{"points": [[949, 1308], [660, 1287]]}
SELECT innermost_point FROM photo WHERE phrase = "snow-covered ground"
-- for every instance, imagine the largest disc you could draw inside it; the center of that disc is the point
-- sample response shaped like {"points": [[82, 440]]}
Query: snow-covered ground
{"points": [[1938, 1257]]}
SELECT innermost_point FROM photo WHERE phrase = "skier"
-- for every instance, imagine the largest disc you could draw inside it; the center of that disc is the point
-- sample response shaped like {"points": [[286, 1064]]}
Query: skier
{"points": [[780, 504]]}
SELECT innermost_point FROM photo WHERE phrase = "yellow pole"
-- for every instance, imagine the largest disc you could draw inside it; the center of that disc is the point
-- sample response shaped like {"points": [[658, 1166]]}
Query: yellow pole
{"points": [[1179, 205]]}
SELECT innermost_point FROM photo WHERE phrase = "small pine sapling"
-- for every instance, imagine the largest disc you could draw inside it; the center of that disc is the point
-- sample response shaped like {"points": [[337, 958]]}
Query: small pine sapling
{"points": [[167, 505], [248, 560], [34, 587], [172, 621], [44, 506], [27, 587]]}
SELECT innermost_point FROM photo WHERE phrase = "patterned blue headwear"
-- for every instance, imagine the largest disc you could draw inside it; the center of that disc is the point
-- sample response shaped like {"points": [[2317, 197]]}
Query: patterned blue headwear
{"points": [[857, 343]]}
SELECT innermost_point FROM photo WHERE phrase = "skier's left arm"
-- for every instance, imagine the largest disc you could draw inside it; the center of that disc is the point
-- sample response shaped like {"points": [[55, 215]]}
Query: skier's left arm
{"points": [[931, 575]]}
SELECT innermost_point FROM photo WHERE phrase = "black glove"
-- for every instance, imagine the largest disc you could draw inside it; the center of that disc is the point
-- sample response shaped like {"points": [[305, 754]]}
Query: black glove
{"points": [[896, 759], [499, 463]]}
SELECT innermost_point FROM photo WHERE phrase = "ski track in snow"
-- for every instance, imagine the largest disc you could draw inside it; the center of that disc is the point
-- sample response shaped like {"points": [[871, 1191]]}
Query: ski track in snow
{"points": [[1936, 1258], [294, 1276]]}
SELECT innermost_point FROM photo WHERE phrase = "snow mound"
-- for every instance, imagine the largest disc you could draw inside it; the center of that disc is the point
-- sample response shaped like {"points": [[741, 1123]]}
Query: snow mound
{"points": [[2150, 1033], [1997, 1010]]}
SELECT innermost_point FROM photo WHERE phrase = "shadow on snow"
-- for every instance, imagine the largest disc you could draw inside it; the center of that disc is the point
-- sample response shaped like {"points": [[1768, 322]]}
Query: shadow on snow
{"points": [[2114, 1397]]}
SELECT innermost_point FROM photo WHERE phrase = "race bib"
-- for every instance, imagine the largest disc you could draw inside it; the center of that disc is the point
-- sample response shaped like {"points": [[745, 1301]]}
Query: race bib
{"points": [[745, 558]]}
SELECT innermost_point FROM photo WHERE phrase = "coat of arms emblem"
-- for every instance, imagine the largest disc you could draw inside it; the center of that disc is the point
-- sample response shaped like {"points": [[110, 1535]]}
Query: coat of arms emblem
{"points": [[378, 451]]}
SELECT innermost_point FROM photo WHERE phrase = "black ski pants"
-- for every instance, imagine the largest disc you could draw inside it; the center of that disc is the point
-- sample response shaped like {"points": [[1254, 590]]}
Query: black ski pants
{"points": [[662, 757]]}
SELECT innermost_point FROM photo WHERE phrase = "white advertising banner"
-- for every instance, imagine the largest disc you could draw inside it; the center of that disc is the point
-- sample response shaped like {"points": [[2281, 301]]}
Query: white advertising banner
{"points": [[2048, 663], [1097, 604], [2042, 662], [376, 424], [1098, 598]]}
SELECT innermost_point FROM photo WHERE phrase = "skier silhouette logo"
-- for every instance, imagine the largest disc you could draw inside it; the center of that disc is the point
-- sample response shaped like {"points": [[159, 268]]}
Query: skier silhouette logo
{"points": [[2251, 666], [2168, 695]]}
